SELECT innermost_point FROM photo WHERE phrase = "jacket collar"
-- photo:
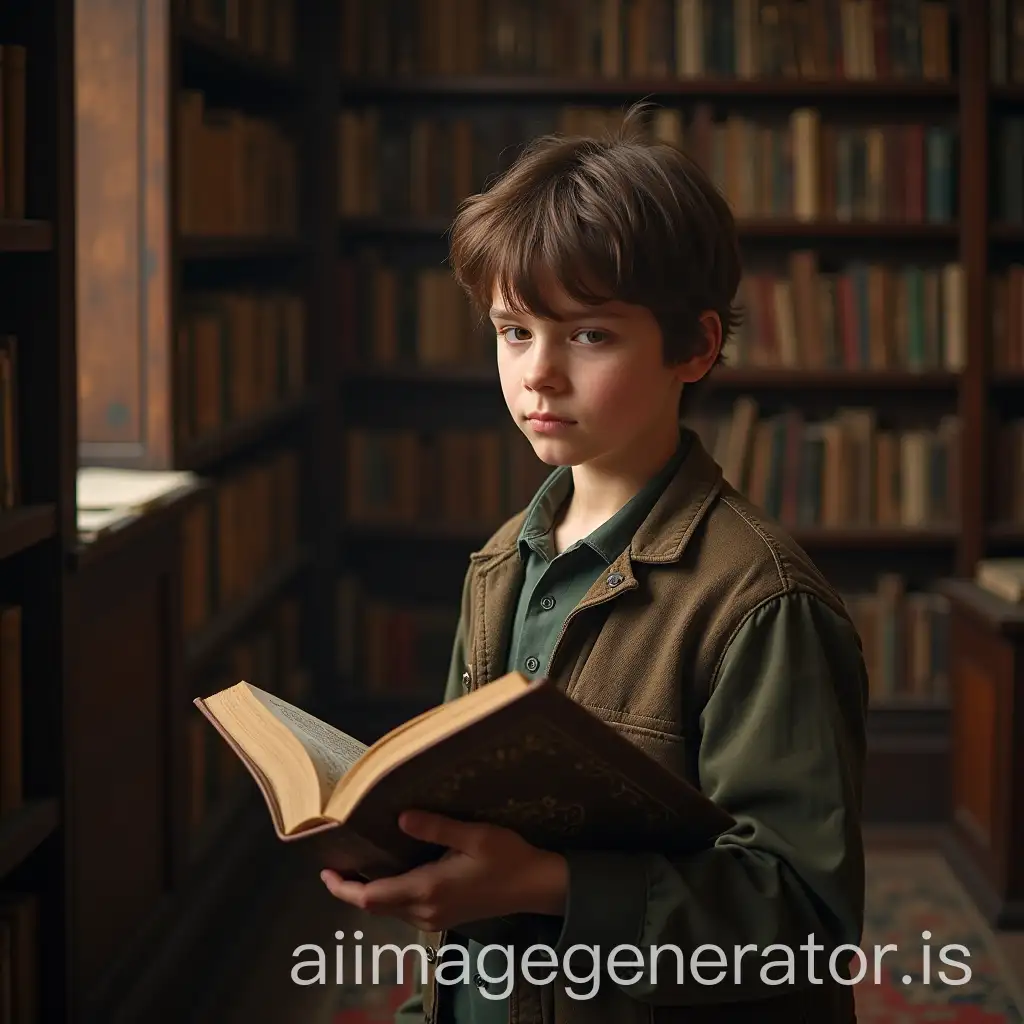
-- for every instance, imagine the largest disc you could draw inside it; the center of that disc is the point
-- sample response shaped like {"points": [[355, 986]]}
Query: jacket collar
{"points": [[665, 532]]}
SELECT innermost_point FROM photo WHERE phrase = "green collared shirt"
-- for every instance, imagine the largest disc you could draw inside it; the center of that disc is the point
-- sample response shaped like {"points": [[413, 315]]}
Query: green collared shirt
{"points": [[553, 585]]}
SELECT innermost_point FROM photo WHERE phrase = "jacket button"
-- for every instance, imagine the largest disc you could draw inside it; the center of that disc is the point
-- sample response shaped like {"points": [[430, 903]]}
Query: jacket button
{"points": [[615, 579], [465, 680], [479, 982], [431, 954]]}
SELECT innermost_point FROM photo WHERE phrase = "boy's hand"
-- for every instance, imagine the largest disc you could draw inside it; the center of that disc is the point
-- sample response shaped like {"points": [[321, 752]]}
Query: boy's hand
{"points": [[486, 872]]}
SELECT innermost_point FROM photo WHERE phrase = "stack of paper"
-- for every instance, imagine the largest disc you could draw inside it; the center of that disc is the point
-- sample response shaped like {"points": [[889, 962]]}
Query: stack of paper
{"points": [[109, 498]]}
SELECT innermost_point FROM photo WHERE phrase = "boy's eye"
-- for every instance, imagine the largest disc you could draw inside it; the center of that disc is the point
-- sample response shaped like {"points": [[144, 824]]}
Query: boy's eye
{"points": [[597, 336], [522, 335]]}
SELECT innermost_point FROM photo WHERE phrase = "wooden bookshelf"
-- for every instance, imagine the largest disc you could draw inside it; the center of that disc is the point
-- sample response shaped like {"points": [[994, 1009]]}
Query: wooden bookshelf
{"points": [[37, 513], [203, 350], [910, 738]]}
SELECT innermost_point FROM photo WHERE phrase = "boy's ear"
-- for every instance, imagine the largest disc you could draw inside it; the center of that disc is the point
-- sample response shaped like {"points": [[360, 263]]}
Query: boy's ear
{"points": [[698, 365]]}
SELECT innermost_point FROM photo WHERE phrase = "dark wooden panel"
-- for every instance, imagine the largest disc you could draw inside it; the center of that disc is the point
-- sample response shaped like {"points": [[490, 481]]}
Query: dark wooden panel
{"points": [[119, 747], [987, 837]]}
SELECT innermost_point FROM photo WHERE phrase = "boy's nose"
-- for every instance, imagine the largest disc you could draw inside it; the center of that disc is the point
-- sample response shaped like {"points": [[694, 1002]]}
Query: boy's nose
{"points": [[542, 369]]}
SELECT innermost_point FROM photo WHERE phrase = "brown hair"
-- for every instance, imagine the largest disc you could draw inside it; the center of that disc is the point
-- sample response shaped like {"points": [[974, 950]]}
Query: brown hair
{"points": [[620, 218]]}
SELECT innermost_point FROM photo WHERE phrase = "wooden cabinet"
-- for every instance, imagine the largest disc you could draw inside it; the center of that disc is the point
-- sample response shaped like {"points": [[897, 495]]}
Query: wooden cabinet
{"points": [[986, 842]]}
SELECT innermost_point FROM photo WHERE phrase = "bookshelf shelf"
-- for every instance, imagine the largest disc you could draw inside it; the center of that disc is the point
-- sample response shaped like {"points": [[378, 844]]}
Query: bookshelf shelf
{"points": [[1007, 533], [441, 375], [23, 830], [241, 248], [1008, 93], [797, 90], [1008, 379], [203, 454], [206, 57], [1007, 233], [781, 229], [231, 620], [753, 378], [726, 378], [22, 528], [838, 538], [26, 236]]}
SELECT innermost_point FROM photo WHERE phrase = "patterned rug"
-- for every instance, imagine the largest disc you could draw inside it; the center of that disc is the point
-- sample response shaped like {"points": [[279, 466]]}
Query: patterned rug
{"points": [[907, 895]]}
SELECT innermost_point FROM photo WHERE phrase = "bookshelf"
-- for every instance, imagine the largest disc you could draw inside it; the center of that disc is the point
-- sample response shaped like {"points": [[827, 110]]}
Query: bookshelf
{"points": [[880, 217], [200, 348], [37, 465]]}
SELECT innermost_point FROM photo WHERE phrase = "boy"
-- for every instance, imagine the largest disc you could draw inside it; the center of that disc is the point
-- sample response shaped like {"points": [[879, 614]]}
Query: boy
{"points": [[649, 589]]}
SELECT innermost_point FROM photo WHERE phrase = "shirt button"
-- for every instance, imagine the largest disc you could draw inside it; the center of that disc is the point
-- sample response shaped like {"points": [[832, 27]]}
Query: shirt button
{"points": [[465, 681], [479, 982], [532, 664], [547, 602], [615, 579]]}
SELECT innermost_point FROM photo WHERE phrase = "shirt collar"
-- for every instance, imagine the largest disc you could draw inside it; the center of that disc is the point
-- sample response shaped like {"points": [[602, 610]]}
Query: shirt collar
{"points": [[610, 538]]}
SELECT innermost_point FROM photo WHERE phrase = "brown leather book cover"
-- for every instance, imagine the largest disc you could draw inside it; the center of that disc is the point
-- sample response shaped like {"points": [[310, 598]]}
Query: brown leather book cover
{"points": [[540, 764]]}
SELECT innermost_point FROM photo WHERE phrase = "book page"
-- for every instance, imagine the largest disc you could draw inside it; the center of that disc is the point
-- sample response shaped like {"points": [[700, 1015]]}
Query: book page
{"points": [[333, 752]]}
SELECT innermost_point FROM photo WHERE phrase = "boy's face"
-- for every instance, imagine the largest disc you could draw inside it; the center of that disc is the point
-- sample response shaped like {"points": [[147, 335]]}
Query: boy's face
{"points": [[590, 386]]}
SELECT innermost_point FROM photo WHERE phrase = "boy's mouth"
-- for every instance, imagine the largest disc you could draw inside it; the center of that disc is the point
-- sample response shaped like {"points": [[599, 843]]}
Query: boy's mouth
{"points": [[545, 423], [546, 417]]}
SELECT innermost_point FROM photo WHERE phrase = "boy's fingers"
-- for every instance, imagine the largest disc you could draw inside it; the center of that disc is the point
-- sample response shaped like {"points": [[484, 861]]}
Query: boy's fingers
{"points": [[342, 888], [436, 828]]}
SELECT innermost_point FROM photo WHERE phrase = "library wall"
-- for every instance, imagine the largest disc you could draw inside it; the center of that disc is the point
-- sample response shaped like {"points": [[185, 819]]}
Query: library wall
{"points": [[837, 410]]}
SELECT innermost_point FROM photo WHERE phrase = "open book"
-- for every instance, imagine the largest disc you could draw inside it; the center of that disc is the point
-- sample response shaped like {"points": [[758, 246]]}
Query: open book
{"points": [[515, 753]]}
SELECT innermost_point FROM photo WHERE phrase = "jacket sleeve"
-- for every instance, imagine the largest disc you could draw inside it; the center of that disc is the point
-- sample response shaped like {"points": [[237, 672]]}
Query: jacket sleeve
{"points": [[782, 749]]}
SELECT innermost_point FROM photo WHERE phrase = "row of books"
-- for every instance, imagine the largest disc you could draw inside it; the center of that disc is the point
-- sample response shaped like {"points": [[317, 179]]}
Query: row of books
{"points": [[808, 170], [905, 636], [1006, 305], [13, 60], [747, 39], [462, 478], [268, 656], [20, 956], [410, 315], [239, 354], [237, 174], [1008, 472], [1008, 200], [868, 316], [391, 647], [10, 427], [264, 28], [875, 316], [398, 162], [244, 529], [848, 470], [1006, 35]]}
